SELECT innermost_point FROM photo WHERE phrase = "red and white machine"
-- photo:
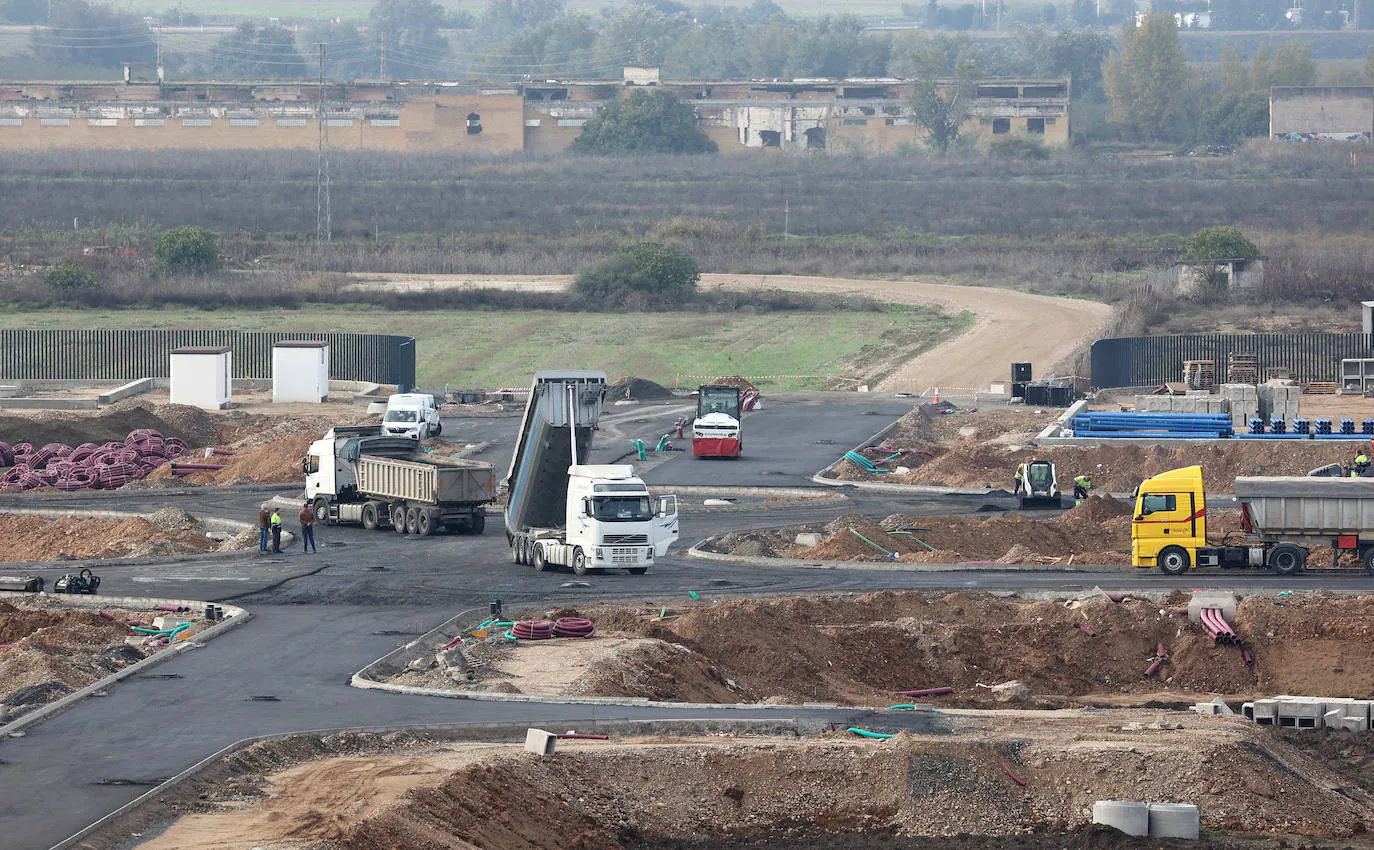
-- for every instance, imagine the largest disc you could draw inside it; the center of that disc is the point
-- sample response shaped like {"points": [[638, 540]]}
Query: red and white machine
{"points": [[716, 430]]}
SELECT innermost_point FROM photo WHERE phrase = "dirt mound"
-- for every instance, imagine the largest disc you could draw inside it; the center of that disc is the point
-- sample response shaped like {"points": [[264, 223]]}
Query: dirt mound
{"points": [[864, 650], [193, 426], [639, 389], [34, 538], [260, 455], [734, 381], [47, 650]]}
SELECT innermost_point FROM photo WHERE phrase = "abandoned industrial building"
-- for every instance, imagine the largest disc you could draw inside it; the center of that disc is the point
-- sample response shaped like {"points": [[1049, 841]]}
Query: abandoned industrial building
{"points": [[848, 116]]}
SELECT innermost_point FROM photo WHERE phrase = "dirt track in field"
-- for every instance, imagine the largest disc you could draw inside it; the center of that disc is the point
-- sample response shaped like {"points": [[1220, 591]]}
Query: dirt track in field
{"points": [[1009, 326]]}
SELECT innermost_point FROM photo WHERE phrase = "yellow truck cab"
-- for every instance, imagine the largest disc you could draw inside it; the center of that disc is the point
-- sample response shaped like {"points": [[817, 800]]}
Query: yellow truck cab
{"points": [[1170, 520]]}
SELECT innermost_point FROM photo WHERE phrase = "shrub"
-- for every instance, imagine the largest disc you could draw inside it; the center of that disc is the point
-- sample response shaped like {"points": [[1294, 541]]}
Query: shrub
{"points": [[645, 122], [189, 249], [644, 268], [1017, 147], [68, 276], [1219, 243]]}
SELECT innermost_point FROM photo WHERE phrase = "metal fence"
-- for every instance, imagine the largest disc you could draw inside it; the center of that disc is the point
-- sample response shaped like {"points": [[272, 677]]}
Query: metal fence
{"points": [[1153, 360], [130, 355]]}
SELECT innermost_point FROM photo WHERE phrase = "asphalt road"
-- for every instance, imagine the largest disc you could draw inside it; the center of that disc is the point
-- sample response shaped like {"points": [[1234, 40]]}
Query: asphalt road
{"points": [[320, 618]]}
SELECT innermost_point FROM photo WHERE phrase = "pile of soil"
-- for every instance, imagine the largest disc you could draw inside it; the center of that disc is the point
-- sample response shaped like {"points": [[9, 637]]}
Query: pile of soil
{"points": [[931, 431], [168, 532], [48, 651], [910, 791], [263, 454], [735, 381], [1095, 532], [638, 389], [192, 425], [864, 650]]}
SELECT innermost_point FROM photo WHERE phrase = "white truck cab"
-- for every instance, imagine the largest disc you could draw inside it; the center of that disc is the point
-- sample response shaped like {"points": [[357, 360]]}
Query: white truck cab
{"points": [[413, 415]]}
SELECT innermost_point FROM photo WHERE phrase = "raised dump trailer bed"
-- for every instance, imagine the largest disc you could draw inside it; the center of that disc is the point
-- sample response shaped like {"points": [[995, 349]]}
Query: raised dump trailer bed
{"points": [[537, 484]]}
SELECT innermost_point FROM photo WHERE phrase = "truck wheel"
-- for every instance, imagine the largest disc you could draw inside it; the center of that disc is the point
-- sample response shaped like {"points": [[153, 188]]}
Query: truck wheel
{"points": [[438, 429], [479, 523], [515, 551], [425, 524], [537, 558], [398, 519], [370, 516], [1173, 560], [412, 521], [521, 552], [1287, 559], [579, 561], [321, 510]]}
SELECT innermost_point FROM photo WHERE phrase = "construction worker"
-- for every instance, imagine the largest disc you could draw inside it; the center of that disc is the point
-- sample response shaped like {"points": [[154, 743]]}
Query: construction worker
{"points": [[276, 532], [1081, 485], [1361, 465], [264, 522], [307, 518], [1016, 479]]}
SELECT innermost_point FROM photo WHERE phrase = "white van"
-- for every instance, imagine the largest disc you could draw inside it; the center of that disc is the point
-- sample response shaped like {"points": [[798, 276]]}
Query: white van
{"points": [[413, 415]]}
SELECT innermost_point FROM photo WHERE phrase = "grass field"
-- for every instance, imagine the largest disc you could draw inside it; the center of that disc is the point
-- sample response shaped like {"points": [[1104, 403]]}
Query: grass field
{"points": [[491, 349]]}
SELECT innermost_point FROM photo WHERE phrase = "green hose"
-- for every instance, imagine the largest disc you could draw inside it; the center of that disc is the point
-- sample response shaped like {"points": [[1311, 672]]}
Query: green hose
{"points": [[869, 734], [914, 537], [162, 632], [871, 543], [905, 706]]}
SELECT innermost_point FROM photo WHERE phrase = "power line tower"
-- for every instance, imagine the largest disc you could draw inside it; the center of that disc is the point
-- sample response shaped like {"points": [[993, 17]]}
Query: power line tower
{"points": [[323, 225]]}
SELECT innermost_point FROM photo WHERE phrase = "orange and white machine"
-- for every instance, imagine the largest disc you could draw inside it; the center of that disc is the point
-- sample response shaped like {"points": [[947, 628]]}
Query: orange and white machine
{"points": [[716, 430]]}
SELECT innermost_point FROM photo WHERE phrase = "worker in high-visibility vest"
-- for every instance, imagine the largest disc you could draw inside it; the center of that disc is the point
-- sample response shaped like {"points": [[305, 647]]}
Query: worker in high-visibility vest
{"points": [[1361, 465], [1081, 485]]}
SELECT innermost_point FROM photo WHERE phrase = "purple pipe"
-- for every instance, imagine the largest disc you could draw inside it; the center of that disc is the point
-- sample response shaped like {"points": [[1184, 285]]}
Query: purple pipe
{"points": [[927, 692]]}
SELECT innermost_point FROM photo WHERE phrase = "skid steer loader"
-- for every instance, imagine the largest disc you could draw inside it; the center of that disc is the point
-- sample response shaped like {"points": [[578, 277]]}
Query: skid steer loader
{"points": [[1037, 485]]}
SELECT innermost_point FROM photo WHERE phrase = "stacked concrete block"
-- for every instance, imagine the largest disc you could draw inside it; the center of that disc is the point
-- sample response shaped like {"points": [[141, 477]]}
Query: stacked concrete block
{"points": [[1311, 712], [1278, 401], [1156, 820], [1201, 403], [1244, 400]]}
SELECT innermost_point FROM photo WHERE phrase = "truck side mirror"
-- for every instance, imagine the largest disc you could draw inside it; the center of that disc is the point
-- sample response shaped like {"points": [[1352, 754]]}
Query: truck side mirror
{"points": [[587, 507]]}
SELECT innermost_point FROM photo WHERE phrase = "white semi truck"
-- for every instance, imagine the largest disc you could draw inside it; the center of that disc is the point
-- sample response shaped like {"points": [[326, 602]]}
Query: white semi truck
{"points": [[560, 512], [354, 475]]}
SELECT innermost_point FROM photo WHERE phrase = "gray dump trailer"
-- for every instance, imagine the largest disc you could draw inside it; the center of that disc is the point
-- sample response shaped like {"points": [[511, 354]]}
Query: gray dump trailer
{"points": [[1287, 511], [354, 475]]}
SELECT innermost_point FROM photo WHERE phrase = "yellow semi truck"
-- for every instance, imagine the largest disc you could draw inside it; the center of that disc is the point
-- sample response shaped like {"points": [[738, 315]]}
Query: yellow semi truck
{"points": [[1281, 517]]}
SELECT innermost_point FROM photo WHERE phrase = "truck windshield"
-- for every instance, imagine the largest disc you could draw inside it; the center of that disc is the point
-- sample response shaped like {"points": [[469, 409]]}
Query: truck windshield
{"points": [[719, 400], [622, 508], [402, 416]]}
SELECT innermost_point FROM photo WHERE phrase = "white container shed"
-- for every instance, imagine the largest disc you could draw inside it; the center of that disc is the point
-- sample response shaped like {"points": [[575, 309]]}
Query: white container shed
{"points": [[202, 376], [300, 371]]}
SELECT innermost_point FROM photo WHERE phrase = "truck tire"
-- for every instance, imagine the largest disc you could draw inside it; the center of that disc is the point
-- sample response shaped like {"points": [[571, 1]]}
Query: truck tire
{"points": [[515, 552], [1173, 560], [479, 523], [398, 519], [537, 558], [1287, 559], [425, 524], [579, 561], [1368, 559], [521, 552], [412, 521], [370, 518], [438, 429], [321, 510]]}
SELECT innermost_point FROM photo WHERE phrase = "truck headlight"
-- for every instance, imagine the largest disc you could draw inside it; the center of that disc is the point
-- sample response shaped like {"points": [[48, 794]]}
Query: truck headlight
{"points": [[600, 556], [649, 556]]}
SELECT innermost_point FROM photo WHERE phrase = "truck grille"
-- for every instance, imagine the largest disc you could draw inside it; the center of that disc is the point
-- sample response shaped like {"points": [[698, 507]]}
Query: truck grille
{"points": [[626, 556], [624, 539]]}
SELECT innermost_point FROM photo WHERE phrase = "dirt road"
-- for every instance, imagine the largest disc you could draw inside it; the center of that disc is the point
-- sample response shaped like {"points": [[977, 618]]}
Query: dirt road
{"points": [[1009, 326]]}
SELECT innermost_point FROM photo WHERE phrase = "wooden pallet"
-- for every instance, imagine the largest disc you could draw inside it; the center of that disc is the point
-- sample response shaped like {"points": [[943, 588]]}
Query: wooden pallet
{"points": [[1321, 388], [1242, 369], [1200, 374]]}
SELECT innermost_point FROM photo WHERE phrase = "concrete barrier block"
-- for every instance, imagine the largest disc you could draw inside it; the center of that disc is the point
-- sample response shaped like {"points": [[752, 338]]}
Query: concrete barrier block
{"points": [[539, 742], [1265, 712], [1174, 820], [1130, 818], [1212, 599], [1300, 714], [807, 538], [1354, 724]]}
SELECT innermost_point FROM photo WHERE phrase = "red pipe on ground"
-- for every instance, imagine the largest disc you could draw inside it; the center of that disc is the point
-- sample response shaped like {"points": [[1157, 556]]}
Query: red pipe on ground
{"points": [[1087, 631], [197, 466], [927, 692]]}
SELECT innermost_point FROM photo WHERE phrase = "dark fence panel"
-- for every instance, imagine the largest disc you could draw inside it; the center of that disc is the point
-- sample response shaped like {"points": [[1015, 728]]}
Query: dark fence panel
{"points": [[130, 355], [1152, 360]]}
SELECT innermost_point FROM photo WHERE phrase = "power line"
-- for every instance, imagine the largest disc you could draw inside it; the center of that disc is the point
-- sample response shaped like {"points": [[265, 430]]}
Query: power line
{"points": [[323, 224]]}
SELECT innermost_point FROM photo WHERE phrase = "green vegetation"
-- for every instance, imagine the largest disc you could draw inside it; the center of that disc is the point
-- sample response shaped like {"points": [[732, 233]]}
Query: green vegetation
{"points": [[646, 269], [505, 348], [1219, 243], [68, 276], [188, 249], [1145, 80], [645, 122]]}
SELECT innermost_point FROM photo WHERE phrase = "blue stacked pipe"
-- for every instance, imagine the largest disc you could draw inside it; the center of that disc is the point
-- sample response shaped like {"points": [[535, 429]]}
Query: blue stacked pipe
{"points": [[1302, 426], [1347, 425], [1322, 425], [1367, 427], [1124, 425], [1256, 425]]}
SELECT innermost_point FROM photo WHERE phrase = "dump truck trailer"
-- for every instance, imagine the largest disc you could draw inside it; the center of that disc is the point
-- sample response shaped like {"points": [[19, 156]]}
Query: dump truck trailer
{"points": [[1281, 519], [354, 475], [561, 512]]}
